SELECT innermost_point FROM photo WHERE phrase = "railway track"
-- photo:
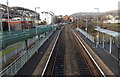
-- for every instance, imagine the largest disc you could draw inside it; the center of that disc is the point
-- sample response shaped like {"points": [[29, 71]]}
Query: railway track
{"points": [[69, 57], [55, 65]]}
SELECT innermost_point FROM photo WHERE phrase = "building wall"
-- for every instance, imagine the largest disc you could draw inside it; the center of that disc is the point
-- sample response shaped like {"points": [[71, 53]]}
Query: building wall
{"points": [[27, 24], [17, 25]]}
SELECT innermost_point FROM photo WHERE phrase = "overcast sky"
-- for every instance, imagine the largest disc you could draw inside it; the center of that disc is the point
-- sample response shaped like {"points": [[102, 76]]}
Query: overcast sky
{"points": [[66, 7]]}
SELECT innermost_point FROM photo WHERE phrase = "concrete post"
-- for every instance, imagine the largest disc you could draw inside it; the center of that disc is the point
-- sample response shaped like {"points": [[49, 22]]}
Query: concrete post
{"points": [[38, 37], [97, 42], [36, 47], [110, 44], [26, 43], [103, 40], [98, 37]]}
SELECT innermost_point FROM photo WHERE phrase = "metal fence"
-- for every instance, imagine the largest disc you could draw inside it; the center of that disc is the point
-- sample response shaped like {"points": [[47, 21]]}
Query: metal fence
{"points": [[90, 37], [0, 39], [15, 66], [8, 38]]}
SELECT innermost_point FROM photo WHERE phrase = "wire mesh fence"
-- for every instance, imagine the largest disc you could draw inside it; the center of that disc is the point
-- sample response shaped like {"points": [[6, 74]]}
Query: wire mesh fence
{"points": [[8, 38], [15, 66]]}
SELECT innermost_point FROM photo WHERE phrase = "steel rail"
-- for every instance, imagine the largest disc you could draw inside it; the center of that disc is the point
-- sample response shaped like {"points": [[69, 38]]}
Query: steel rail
{"points": [[89, 54], [48, 60]]}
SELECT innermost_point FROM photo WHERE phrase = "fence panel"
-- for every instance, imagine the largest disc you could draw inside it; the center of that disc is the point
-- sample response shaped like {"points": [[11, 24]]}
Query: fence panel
{"points": [[90, 37], [19, 35], [15, 66]]}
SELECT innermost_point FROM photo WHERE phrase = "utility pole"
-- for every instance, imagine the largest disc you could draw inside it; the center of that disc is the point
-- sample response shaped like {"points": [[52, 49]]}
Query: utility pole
{"points": [[1, 30], [97, 14]]}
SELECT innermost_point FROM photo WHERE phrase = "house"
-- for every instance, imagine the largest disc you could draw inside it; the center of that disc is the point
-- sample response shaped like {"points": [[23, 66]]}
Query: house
{"points": [[111, 19], [110, 16], [46, 16]]}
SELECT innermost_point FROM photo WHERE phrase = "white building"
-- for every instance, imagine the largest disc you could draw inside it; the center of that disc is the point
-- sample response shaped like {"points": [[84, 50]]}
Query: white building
{"points": [[46, 16], [110, 16]]}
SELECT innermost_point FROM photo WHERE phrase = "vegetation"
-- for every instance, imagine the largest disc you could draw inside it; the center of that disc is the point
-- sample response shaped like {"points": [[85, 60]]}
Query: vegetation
{"points": [[82, 24], [92, 21], [10, 49], [113, 27]]}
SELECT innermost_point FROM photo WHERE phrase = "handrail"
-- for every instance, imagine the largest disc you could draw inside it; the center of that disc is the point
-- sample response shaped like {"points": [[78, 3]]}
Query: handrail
{"points": [[90, 37]]}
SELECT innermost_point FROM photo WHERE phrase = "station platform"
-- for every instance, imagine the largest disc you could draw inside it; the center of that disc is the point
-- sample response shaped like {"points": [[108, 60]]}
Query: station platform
{"points": [[114, 50], [111, 60]]}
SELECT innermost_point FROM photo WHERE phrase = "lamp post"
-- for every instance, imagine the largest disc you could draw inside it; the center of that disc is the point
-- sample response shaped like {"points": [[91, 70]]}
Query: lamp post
{"points": [[36, 20], [8, 17], [21, 19], [97, 14], [97, 25], [1, 29]]}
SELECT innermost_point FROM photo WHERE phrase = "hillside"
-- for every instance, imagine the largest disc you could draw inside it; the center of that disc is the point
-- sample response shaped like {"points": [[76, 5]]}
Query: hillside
{"points": [[79, 14], [15, 11]]}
